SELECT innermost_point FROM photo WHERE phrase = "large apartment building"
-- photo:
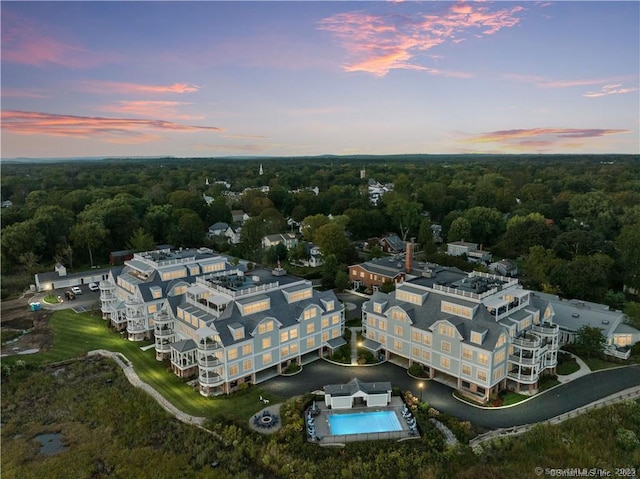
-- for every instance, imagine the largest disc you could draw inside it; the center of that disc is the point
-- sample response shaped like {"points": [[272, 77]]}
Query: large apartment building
{"points": [[218, 323], [480, 332]]}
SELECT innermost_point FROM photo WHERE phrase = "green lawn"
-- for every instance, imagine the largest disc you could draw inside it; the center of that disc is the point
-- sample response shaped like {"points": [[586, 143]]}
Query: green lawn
{"points": [[567, 367], [76, 334], [513, 398], [596, 364]]}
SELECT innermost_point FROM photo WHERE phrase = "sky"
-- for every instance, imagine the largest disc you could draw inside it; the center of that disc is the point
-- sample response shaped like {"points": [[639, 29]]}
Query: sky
{"points": [[207, 79]]}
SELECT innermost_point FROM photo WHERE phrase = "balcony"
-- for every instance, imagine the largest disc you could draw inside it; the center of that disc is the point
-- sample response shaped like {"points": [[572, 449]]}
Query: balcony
{"points": [[134, 327], [524, 378], [545, 329], [162, 318], [163, 346], [524, 360], [163, 331], [209, 361], [528, 341], [119, 320], [622, 353], [208, 345], [549, 363], [210, 380]]}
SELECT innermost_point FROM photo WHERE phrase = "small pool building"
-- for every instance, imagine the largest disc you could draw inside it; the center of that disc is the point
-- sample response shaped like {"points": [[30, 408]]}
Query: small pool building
{"points": [[357, 393]]}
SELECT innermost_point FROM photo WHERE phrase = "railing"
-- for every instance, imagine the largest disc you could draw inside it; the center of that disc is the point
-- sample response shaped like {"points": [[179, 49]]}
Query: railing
{"points": [[163, 346], [163, 331], [208, 346], [136, 327], [208, 361], [162, 318], [527, 342], [618, 354], [550, 329], [524, 378], [210, 380], [523, 360], [118, 319]]}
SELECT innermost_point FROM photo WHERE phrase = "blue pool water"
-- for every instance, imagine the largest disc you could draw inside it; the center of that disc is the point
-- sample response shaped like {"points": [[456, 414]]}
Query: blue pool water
{"points": [[364, 422]]}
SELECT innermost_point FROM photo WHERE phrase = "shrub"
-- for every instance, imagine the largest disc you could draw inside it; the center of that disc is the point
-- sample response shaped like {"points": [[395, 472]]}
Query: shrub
{"points": [[417, 370]]}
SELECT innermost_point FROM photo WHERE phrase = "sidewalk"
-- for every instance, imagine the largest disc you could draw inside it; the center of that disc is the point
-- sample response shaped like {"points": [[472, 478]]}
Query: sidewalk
{"points": [[583, 371], [354, 344]]}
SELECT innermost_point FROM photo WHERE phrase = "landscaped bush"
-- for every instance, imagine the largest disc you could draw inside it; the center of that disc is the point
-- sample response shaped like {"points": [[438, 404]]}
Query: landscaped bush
{"points": [[342, 354], [293, 367], [417, 371]]}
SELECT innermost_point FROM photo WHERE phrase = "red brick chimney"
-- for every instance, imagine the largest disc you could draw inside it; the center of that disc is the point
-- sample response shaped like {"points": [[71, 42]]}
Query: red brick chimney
{"points": [[408, 265]]}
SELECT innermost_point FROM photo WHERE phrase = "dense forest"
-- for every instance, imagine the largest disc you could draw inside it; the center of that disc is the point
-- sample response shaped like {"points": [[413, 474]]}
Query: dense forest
{"points": [[571, 222]]}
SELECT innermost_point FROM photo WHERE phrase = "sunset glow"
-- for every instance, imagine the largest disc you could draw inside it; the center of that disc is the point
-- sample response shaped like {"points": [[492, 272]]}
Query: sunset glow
{"points": [[311, 78]]}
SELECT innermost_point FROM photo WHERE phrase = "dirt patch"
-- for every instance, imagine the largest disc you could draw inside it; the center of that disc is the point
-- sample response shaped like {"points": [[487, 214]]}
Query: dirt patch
{"points": [[31, 328]]}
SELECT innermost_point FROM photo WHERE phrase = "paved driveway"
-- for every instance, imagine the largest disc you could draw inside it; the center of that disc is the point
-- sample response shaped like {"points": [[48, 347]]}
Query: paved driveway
{"points": [[547, 405]]}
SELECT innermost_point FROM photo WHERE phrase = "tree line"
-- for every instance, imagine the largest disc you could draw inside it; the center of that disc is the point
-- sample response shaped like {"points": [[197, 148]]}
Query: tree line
{"points": [[572, 222]]}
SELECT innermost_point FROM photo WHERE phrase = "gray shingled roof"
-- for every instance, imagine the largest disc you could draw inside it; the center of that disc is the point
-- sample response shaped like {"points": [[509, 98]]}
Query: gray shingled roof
{"points": [[356, 385]]}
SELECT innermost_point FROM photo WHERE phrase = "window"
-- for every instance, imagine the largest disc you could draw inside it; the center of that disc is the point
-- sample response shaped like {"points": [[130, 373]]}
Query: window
{"points": [[238, 334], [335, 319], [382, 339], [416, 336], [309, 313], [311, 328], [415, 350], [247, 365], [293, 348], [445, 363], [265, 327], [325, 322], [398, 331], [293, 334], [481, 375], [397, 345], [325, 336], [335, 333], [233, 370], [466, 370], [246, 349], [362, 274], [299, 295], [382, 325], [152, 308], [232, 353], [499, 357], [426, 339], [284, 351], [311, 342], [399, 315], [266, 358], [446, 330], [498, 373], [426, 355], [255, 307], [476, 337], [445, 346], [284, 336], [483, 359], [371, 321], [622, 340], [467, 353], [455, 309], [377, 308], [266, 343], [501, 340], [408, 297], [329, 305]]}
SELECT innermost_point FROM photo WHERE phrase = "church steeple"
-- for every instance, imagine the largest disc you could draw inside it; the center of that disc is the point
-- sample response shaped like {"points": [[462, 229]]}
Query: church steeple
{"points": [[261, 170]]}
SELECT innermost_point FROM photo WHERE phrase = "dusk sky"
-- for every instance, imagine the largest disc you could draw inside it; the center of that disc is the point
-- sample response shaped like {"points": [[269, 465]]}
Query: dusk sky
{"points": [[204, 79]]}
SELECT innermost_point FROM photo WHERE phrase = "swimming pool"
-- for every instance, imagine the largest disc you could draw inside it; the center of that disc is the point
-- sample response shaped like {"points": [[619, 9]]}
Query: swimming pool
{"points": [[364, 422]]}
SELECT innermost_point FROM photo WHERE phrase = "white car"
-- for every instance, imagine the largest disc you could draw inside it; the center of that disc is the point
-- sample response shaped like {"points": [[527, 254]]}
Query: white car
{"points": [[94, 287], [76, 290]]}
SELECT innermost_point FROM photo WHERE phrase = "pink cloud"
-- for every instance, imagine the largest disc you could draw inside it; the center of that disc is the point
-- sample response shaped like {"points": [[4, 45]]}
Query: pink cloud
{"points": [[22, 93], [544, 82], [380, 43], [543, 138], [610, 90], [25, 42], [108, 129], [150, 108], [130, 88]]}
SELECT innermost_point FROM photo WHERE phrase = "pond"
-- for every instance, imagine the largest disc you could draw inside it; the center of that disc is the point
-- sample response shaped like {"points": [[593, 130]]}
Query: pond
{"points": [[50, 443]]}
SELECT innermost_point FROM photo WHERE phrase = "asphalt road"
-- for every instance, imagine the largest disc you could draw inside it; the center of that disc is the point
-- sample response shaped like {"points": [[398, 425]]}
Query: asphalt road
{"points": [[547, 405]]}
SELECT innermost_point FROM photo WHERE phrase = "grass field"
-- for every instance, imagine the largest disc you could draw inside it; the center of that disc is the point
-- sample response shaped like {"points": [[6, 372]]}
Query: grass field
{"points": [[76, 334]]}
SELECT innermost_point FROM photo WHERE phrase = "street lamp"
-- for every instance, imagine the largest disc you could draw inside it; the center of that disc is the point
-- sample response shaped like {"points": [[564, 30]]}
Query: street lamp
{"points": [[420, 386]]}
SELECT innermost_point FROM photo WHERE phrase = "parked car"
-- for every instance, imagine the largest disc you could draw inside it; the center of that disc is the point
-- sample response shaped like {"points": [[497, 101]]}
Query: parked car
{"points": [[94, 287], [76, 290]]}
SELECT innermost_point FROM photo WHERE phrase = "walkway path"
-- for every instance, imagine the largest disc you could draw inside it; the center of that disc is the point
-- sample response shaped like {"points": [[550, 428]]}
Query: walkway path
{"points": [[583, 371], [134, 379], [354, 345]]}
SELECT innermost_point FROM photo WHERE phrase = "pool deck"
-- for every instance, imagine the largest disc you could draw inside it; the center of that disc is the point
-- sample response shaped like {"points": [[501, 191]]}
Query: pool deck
{"points": [[323, 431]]}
